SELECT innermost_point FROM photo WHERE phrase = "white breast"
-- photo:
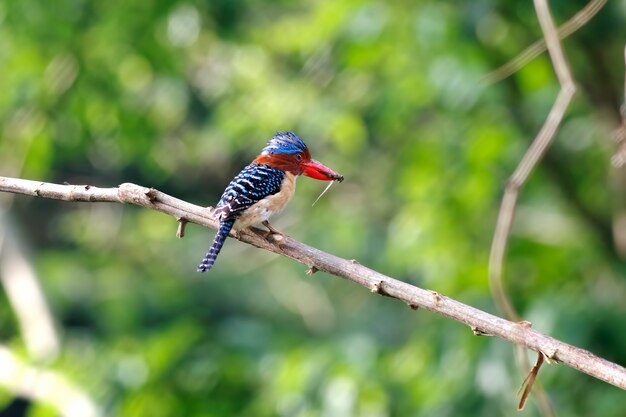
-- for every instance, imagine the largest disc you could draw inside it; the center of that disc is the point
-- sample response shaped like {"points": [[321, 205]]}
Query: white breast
{"points": [[273, 204]]}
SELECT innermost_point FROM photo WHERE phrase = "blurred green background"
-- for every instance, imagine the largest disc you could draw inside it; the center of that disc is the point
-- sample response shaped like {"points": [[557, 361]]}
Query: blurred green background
{"points": [[180, 95]]}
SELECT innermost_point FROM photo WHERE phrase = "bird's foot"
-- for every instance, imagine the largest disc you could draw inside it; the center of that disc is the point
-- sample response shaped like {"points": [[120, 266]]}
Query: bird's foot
{"points": [[236, 233], [271, 231]]}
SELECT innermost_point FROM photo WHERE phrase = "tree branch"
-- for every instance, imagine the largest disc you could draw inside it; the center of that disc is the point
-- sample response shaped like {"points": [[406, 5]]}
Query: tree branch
{"points": [[529, 161], [480, 322], [538, 47]]}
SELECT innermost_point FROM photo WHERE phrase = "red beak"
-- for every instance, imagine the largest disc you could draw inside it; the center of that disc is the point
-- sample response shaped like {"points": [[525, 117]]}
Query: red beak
{"points": [[314, 169]]}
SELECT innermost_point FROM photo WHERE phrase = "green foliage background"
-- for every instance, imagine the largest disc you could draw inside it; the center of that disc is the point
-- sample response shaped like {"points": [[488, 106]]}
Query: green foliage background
{"points": [[179, 95]]}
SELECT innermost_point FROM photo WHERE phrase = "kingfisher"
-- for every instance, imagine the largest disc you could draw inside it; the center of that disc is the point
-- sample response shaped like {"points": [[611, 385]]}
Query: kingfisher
{"points": [[264, 188]]}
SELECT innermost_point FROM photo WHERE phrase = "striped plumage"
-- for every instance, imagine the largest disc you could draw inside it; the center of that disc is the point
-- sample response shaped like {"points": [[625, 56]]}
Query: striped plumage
{"points": [[254, 183], [263, 188], [218, 242]]}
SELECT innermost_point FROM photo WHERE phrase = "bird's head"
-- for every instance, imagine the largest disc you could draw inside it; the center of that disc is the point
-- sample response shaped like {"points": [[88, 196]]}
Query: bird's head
{"points": [[286, 151]]}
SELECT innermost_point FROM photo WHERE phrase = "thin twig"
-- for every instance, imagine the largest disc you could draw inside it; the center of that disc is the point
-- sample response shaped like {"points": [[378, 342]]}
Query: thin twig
{"points": [[182, 224], [529, 161], [26, 297], [24, 292], [533, 51], [536, 150], [528, 383], [477, 320]]}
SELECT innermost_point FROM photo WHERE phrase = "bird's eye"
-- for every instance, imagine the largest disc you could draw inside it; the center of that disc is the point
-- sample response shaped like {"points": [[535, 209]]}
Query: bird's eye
{"points": [[299, 156]]}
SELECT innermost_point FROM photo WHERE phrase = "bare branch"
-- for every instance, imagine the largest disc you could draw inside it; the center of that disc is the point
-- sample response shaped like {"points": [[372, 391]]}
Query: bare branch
{"points": [[536, 150], [478, 321], [528, 383], [26, 297], [529, 161], [24, 293], [533, 51]]}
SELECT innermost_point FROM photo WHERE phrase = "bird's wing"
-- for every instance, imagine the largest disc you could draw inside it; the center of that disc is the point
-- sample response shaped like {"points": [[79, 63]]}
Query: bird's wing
{"points": [[251, 185]]}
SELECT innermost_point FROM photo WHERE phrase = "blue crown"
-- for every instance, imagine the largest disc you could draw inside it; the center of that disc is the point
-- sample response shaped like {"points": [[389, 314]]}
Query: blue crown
{"points": [[284, 142]]}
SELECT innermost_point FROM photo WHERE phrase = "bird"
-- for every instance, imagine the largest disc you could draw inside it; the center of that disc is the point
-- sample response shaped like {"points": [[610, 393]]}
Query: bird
{"points": [[263, 188]]}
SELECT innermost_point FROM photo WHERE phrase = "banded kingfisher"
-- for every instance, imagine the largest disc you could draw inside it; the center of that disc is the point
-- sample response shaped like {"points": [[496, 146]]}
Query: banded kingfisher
{"points": [[264, 188]]}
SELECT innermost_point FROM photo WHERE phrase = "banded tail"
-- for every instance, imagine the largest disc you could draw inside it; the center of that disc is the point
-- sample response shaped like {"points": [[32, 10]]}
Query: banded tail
{"points": [[218, 242]]}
